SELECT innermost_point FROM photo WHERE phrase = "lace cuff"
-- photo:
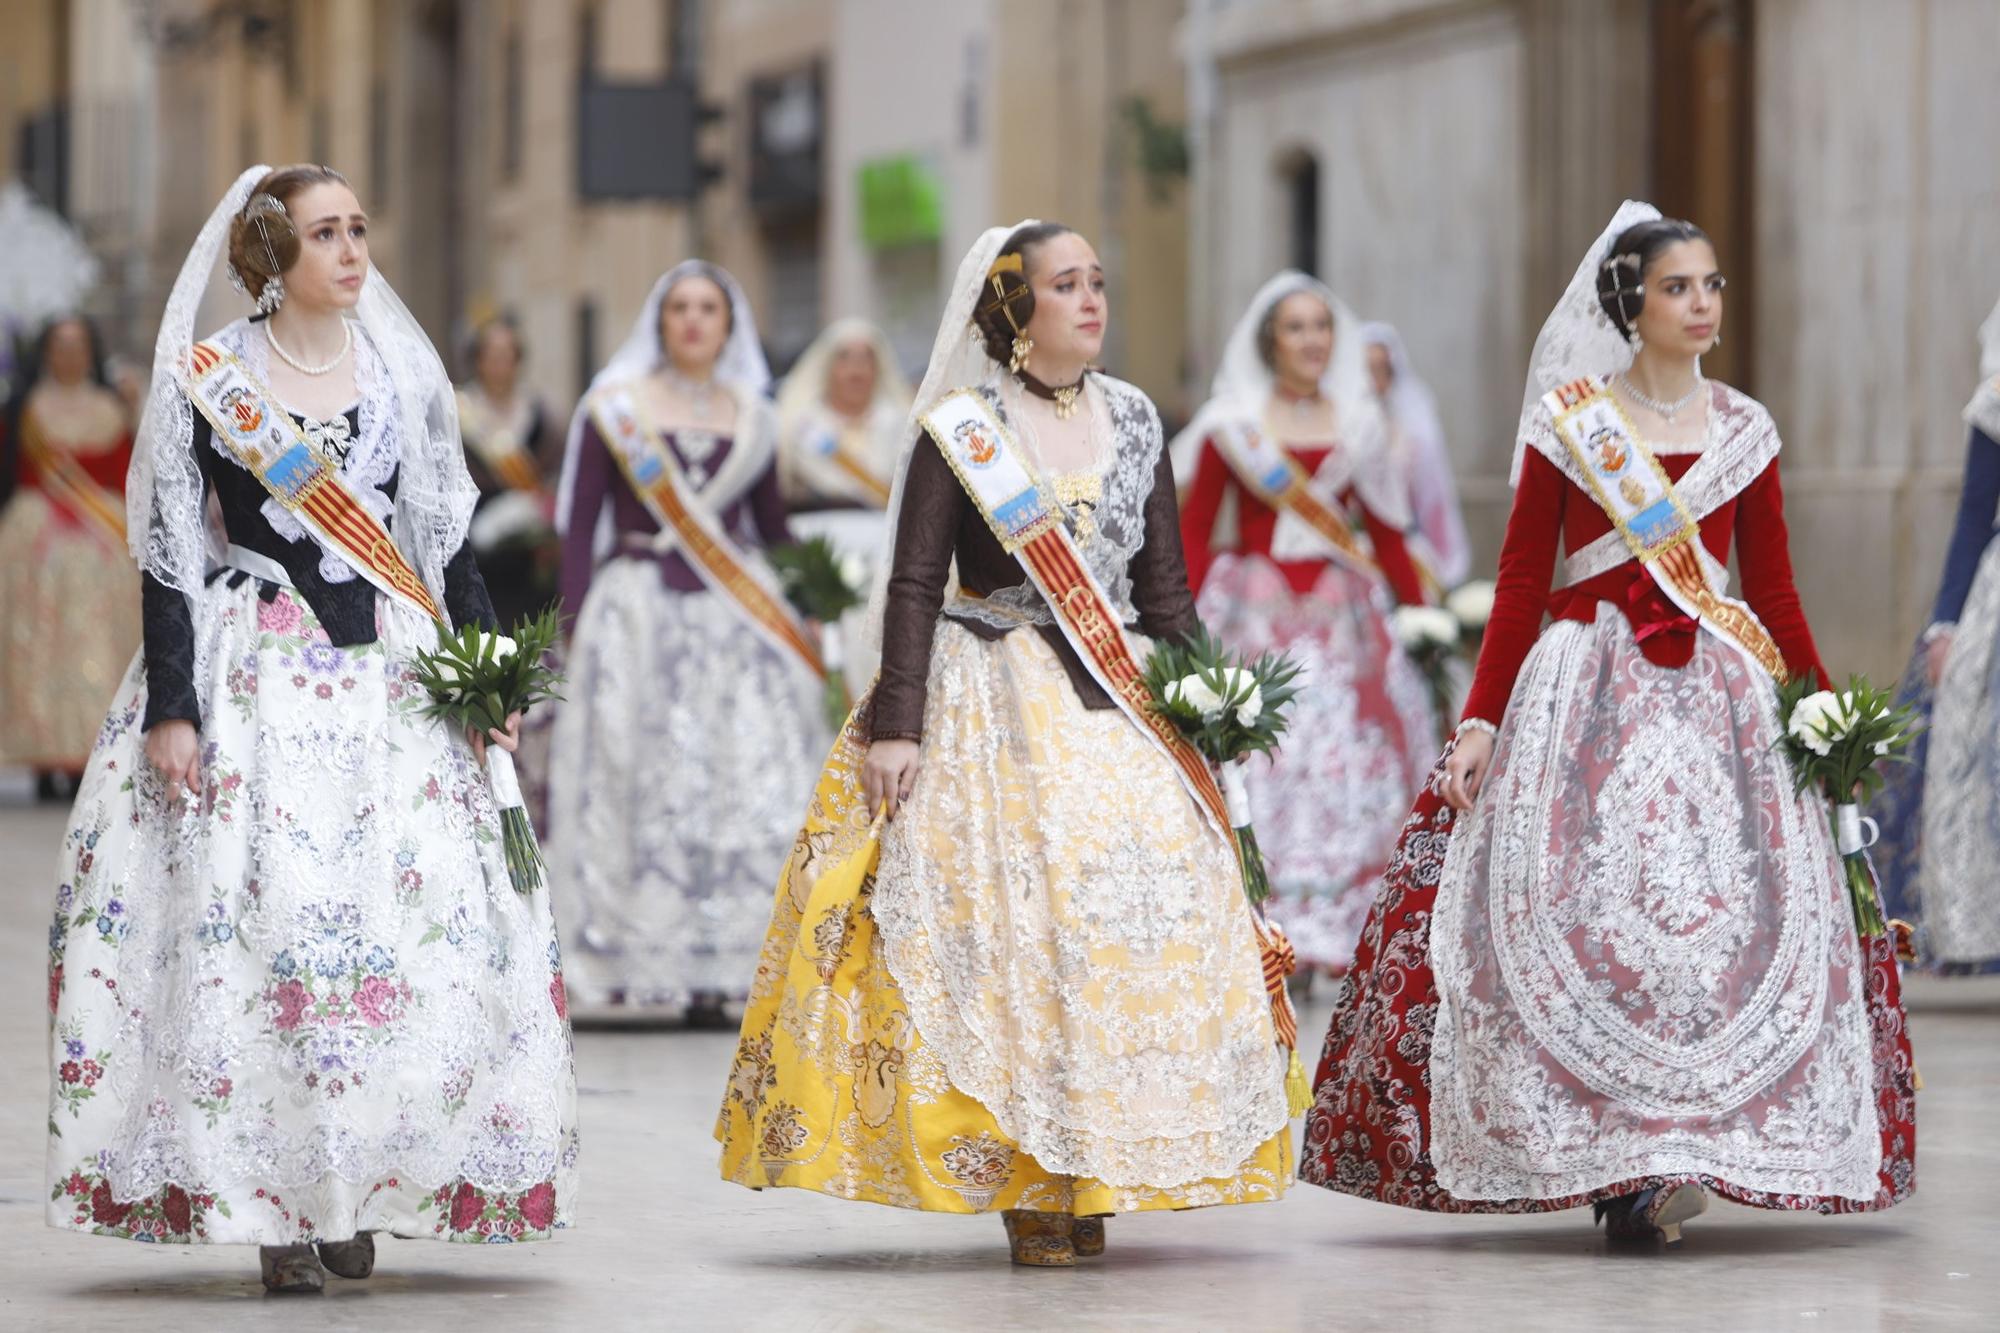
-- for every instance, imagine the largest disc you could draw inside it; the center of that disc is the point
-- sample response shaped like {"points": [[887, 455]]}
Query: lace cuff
{"points": [[1475, 724], [1938, 629]]}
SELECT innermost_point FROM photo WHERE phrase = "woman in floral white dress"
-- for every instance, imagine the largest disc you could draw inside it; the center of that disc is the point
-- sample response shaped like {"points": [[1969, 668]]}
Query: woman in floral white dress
{"points": [[295, 999]]}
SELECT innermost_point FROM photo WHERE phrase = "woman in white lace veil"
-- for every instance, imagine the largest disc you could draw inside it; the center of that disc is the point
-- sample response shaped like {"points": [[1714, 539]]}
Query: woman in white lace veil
{"points": [[841, 416], [288, 962], [1613, 961], [1417, 449], [1364, 730], [686, 736], [1940, 815], [996, 975]]}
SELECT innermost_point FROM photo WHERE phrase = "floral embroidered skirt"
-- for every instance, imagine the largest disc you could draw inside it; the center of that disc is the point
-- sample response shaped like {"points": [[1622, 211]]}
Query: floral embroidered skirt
{"points": [[1940, 813], [682, 749], [1633, 962], [69, 623], [308, 1003], [1363, 735], [1037, 989]]}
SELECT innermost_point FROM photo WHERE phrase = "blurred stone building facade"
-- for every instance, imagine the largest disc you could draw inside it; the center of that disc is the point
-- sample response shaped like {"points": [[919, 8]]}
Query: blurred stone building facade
{"points": [[549, 158], [1441, 162]]}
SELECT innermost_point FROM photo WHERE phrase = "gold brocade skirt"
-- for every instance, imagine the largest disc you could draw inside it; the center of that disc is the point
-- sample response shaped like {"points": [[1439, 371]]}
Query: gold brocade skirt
{"points": [[834, 1089], [69, 625]]}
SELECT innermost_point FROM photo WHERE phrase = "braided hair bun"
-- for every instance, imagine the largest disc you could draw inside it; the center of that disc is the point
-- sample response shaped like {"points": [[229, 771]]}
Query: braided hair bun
{"points": [[1621, 285]]}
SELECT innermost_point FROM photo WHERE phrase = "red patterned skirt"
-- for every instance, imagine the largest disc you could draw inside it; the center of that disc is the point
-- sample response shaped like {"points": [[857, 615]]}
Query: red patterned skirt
{"points": [[1369, 1129]]}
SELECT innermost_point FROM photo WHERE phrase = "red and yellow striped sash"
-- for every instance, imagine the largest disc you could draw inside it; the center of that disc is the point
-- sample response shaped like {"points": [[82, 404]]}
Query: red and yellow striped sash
{"points": [[70, 487], [655, 477], [262, 436], [1268, 471]]}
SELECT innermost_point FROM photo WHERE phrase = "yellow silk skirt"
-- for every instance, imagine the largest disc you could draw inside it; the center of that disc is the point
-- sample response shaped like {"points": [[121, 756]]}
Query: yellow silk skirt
{"points": [[834, 1089]]}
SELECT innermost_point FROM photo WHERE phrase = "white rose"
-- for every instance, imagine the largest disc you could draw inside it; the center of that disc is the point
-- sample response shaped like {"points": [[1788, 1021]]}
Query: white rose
{"points": [[1882, 747], [1814, 722], [447, 672], [503, 647], [1193, 692], [854, 572], [1425, 626], [1472, 603], [1251, 708]]}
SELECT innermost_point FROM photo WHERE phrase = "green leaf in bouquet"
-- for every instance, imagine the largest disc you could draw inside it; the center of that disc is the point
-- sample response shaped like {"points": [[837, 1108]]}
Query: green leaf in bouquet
{"points": [[814, 579]]}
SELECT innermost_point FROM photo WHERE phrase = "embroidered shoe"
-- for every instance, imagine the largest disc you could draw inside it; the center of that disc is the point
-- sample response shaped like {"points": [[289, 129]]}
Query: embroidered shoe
{"points": [[1086, 1237], [349, 1258], [1673, 1205], [1039, 1240], [291, 1269]]}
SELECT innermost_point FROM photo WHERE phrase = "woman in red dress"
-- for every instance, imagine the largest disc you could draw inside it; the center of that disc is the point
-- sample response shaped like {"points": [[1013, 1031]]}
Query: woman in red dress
{"points": [[1613, 961], [70, 597], [1267, 578]]}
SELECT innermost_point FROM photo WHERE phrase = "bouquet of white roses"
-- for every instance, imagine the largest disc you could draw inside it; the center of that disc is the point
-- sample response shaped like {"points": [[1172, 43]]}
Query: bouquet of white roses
{"points": [[1430, 637], [1472, 603], [477, 679], [1229, 709], [1838, 742], [823, 585]]}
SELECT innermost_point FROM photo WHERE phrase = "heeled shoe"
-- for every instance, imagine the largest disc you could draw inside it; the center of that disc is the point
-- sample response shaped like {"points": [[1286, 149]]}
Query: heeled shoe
{"points": [[349, 1258], [1039, 1240], [1086, 1237], [291, 1269], [1672, 1206]]}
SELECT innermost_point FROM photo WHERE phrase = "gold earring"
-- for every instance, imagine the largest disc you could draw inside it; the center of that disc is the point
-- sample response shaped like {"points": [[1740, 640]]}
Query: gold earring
{"points": [[1023, 345]]}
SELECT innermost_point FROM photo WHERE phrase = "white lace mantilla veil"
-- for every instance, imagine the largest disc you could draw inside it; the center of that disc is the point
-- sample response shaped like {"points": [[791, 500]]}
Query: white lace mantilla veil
{"points": [[164, 501], [1413, 411], [805, 385], [958, 361], [1576, 339], [1241, 391], [740, 367]]}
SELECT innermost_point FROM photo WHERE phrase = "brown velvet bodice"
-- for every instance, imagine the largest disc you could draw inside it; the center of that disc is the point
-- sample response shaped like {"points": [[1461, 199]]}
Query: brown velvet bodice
{"points": [[937, 523]]}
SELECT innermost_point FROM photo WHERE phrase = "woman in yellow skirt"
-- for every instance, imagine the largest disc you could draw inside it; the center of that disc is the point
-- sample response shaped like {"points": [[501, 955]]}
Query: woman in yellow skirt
{"points": [[1010, 965]]}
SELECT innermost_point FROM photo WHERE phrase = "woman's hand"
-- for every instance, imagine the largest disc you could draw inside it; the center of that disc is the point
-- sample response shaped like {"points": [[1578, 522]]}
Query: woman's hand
{"points": [[174, 748], [888, 775], [1936, 653], [1465, 768], [508, 740]]}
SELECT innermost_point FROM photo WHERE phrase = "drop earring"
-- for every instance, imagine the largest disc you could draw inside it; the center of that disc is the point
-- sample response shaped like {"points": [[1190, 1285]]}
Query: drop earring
{"points": [[1023, 345]]}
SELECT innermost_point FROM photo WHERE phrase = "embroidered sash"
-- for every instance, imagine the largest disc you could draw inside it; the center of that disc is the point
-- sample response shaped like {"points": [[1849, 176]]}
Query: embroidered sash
{"points": [[830, 444], [70, 487], [506, 457], [264, 438], [1024, 514], [654, 475], [1659, 529], [1268, 471]]}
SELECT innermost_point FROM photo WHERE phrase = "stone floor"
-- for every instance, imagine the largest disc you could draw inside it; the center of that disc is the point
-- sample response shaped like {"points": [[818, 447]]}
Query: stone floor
{"points": [[663, 1244]]}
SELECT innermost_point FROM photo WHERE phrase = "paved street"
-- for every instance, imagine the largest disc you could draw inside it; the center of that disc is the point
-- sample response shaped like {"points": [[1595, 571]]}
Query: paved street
{"points": [[663, 1244]]}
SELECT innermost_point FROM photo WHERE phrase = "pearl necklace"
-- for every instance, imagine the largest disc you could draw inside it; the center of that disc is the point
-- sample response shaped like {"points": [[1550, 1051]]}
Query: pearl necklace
{"points": [[346, 345], [700, 394], [1665, 411]]}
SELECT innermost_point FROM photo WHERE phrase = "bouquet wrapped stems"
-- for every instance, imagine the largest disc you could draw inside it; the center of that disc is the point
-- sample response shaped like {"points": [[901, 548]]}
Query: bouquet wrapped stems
{"points": [[1256, 879], [1858, 869], [525, 864]]}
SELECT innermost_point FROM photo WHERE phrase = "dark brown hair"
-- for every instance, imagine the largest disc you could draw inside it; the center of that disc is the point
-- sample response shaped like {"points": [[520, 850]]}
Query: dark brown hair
{"points": [[266, 246], [1621, 287], [1015, 297]]}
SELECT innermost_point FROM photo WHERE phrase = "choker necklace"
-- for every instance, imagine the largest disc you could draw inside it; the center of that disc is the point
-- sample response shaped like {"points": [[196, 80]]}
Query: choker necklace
{"points": [[699, 393], [1665, 411], [346, 344], [1064, 396]]}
